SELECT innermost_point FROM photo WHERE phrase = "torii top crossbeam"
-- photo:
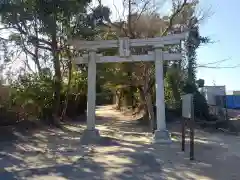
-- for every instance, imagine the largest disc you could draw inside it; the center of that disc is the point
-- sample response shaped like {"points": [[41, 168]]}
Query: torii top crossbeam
{"points": [[124, 45], [105, 44]]}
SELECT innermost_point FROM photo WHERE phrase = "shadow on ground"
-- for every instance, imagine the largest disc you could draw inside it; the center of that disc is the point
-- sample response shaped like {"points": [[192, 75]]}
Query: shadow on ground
{"points": [[124, 152], [129, 160]]}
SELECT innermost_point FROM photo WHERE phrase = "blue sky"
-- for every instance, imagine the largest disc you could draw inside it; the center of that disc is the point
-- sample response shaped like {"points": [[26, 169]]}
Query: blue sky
{"points": [[222, 27]]}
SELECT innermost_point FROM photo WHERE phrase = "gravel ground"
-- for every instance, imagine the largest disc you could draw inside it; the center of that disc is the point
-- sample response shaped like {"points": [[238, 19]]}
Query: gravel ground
{"points": [[125, 152]]}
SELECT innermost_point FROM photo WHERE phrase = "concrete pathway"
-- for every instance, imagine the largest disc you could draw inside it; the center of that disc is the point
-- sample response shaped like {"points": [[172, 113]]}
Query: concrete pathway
{"points": [[125, 152]]}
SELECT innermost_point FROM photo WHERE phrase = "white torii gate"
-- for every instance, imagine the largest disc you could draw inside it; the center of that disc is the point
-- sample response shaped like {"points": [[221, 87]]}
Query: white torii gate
{"points": [[124, 44]]}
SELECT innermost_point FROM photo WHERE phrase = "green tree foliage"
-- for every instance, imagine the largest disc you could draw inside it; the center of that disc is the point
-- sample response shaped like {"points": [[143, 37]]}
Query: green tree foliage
{"points": [[184, 78], [41, 30], [173, 87], [200, 83]]}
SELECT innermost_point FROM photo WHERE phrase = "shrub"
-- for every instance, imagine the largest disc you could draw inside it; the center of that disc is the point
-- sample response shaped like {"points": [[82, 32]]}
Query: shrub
{"points": [[34, 94], [200, 104], [201, 109]]}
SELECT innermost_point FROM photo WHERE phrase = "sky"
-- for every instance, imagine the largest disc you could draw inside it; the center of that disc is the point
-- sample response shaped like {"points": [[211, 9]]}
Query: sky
{"points": [[222, 27]]}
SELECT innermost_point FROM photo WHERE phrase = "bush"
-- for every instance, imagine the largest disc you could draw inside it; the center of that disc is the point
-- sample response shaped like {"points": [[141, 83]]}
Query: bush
{"points": [[8, 117], [201, 109], [9, 114], [35, 95], [200, 104], [77, 105], [104, 98]]}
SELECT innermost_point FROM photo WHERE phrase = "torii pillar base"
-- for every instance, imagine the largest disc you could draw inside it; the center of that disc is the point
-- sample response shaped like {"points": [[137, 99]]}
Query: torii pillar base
{"points": [[162, 137], [90, 136]]}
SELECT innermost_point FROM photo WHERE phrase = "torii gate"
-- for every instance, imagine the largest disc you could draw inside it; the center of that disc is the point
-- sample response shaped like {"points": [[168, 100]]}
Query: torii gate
{"points": [[124, 44]]}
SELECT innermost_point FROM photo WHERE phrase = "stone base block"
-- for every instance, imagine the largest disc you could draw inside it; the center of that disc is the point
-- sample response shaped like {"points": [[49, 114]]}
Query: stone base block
{"points": [[162, 137], [90, 136]]}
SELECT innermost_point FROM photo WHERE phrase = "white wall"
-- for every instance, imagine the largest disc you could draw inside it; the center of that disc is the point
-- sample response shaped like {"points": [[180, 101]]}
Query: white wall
{"points": [[210, 93]]}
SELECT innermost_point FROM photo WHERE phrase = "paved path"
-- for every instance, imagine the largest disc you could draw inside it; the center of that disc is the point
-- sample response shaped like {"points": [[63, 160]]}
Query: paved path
{"points": [[125, 152]]}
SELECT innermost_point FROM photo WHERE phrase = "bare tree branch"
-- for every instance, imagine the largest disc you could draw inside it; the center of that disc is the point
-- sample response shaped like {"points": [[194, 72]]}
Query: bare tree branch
{"points": [[20, 29], [124, 8], [34, 38], [27, 64], [130, 18], [27, 50], [173, 16], [117, 10], [177, 11], [44, 47], [144, 8], [31, 37]]}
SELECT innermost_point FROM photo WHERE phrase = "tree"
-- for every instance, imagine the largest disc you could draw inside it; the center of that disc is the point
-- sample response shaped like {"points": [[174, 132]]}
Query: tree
{"points": [[46, 26], [200, 83]]}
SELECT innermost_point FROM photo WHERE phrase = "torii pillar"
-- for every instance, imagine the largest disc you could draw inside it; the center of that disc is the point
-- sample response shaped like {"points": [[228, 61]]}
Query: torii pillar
{"points": [[91, 134], [161, 135]]}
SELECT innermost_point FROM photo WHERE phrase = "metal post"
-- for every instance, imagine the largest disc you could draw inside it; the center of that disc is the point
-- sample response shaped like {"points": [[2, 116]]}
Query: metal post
{"points": [[183, 134], [191, 122]]}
